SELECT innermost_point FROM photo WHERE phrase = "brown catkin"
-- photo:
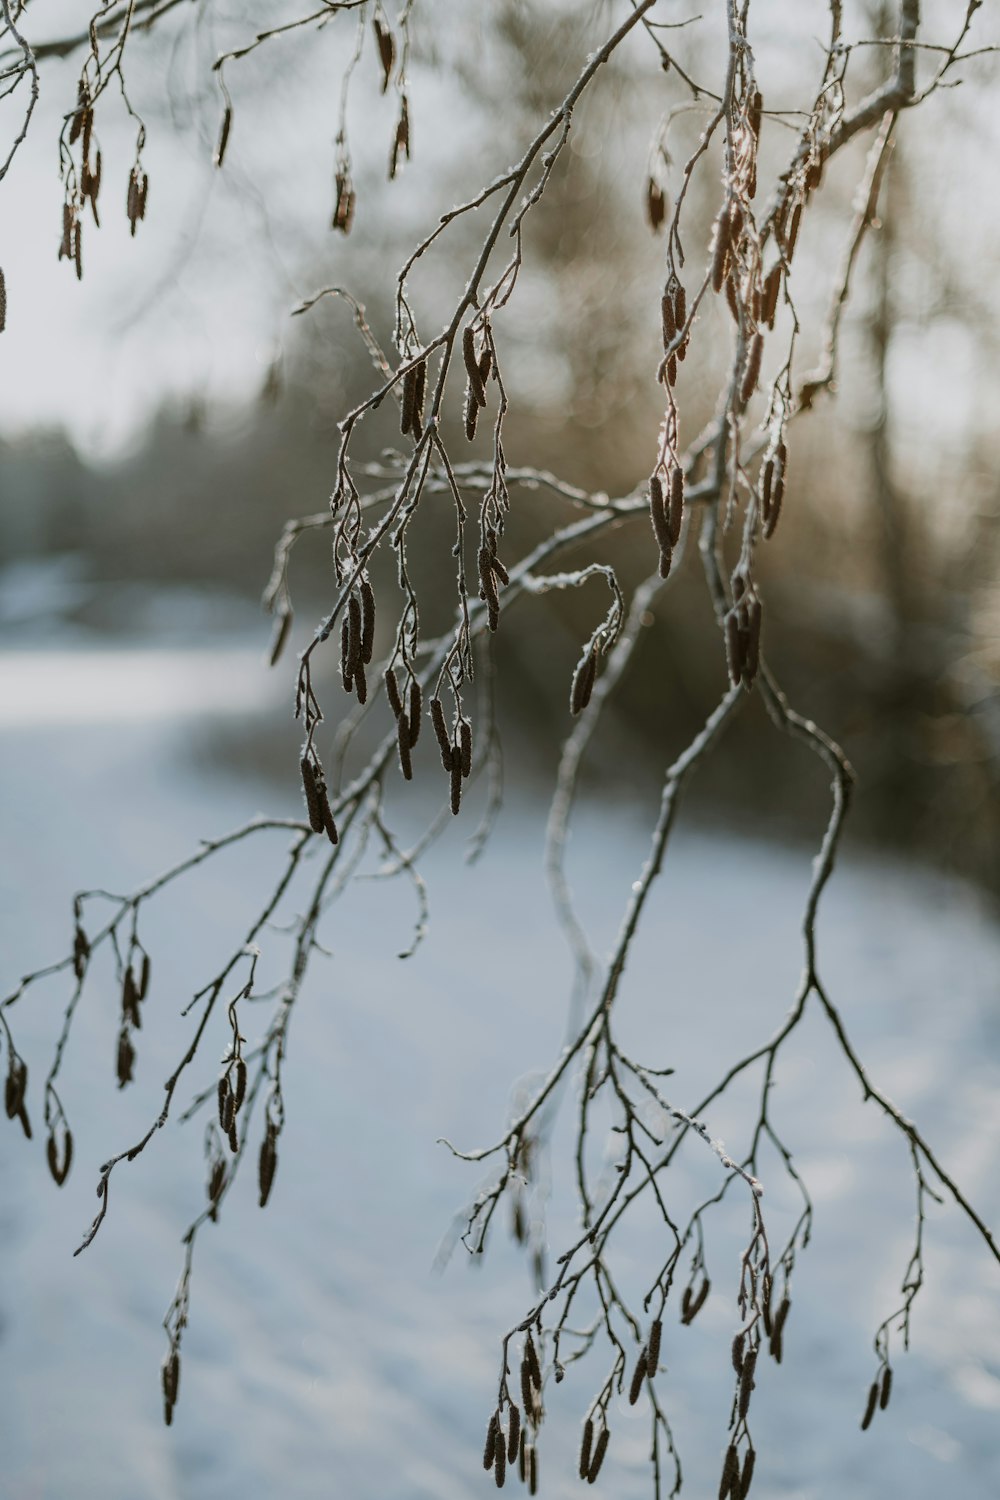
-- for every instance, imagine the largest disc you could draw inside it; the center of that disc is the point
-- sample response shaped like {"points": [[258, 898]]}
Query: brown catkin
{"points": [[79, 113], [130, 999], [527, 1393], [485, 365], [514, 1432], [756, 111], [531, 1359], [403, 738], [653, 1347], [780, 1317], [329, 825], [401, 141], [220, 150], [472, 366], [81, 951], [361, 682], [680, 305], [487, 578], [585, 1447], [456, 786], [668, 320], [441, 732], [599, 1452], [489, 1452], [465, 747], [747, 1383], [737, 1353], [734, 647], [317, 801], [170, 1374], [345, 641], [471, 414], [533, 1470], [730, 1472], [354, 660], [884, 1393], [583, 683], [14, 1087], [672, 370], [751, 373], [408, 405], [392, 692], [499, 1458], [731, 298], [769, 300], [675, 511], [720, 249], [638, 1376], [367, 620], [657, 513], [59, 1169], [216, 1180], [766, 1305], [766, 481], [266, 1166], [241, 1082], [522, 1459], [698, 1301], [793, 232], [126, 1058], [656, 204], [66, 247], [279, 639], [346, 201], [866, 1420], [747, 1474], [310, 788], [386, 50], [416, 712]]}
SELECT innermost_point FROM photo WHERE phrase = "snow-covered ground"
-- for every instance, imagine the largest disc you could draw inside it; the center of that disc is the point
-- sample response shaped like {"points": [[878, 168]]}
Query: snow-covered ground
{"points": [[324, 1356]]}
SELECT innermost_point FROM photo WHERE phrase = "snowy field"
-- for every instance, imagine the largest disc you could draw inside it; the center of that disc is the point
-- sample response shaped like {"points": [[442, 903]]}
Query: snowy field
{"points": [[325, 1357]]}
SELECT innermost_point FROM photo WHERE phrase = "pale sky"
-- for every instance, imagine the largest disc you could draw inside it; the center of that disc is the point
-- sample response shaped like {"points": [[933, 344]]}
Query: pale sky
{"points": [[198, 302]]}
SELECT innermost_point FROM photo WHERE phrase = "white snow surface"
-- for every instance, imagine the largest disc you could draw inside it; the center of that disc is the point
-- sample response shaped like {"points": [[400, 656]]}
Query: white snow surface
{"points": [[324, 1356]]}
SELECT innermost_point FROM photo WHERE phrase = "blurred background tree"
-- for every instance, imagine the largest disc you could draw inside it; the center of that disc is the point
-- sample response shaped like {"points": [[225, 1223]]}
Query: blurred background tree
{"points": [[890, 572]]}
